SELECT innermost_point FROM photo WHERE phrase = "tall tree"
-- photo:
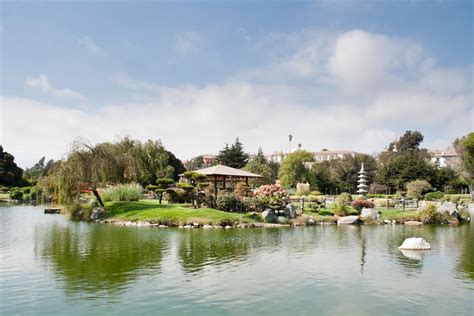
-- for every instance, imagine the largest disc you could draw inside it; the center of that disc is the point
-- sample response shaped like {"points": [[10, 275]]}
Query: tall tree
{"points": [[465, 147], [293, 169], [38, 170], [404, 162], [10, 173], [410, 140], [233, 156], [259, 165]]}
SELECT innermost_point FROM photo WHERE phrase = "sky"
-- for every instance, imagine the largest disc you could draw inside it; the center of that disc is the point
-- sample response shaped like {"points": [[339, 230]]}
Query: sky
{"points": [[341, 75]]}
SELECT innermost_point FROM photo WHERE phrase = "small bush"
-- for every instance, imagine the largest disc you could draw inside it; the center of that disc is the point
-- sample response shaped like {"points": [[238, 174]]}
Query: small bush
{"points": [[315, 193], [455, 199], [358, 205], [251, 204], [446, 198], [227, 202], [242, 189], [341, 204], [122, 192], [432, 196], [379, 203], [176, 196], [430, 215], [16, 195]]}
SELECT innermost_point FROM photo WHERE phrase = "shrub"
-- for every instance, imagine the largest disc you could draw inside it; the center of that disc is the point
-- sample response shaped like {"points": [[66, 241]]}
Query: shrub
{"points": [[242, 189], [446, 198], [431, 196], [122, 192], [430, 215], [228, 202], [341, 204], [416, 188], [252, 204], [383, 203], [176, 196], [26, 190], [358, 205], [315, 193], [318, 204], [455, 199], [272, 196], [16, 195]]}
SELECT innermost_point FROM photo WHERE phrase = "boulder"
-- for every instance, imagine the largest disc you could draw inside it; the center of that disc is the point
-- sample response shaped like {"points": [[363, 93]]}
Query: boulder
{"points": [[269, 216], [348, 220], [310, 221], [98, 213], [207, 226], [281, 220], [415, 243], [290, 211], [369, 213], [228, 227], [447, 207]]}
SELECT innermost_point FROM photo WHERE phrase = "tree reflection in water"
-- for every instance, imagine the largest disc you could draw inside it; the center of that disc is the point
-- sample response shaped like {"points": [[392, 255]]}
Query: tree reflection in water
{"points": [[95, 258]]}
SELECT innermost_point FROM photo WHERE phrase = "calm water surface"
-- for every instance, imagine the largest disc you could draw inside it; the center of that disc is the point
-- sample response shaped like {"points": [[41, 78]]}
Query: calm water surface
{"points": [[50, 265]]}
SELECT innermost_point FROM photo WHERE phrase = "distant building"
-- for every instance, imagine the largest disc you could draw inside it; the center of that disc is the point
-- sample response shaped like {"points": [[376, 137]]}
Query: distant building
{"points": [[445, 158], [209, 160], [325, 155]]}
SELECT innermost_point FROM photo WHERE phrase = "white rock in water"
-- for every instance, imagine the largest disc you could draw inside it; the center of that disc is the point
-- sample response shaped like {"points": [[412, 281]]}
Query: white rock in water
{"points": [[415, 243], [413, 254]]}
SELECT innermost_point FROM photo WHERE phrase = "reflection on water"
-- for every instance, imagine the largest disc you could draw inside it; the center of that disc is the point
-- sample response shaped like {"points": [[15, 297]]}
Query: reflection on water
{"points": [[355, 270], [100, 258]]}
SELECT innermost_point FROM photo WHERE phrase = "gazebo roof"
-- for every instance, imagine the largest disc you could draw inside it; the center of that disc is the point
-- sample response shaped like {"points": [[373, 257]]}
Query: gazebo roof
{"points": [[221, 170]]}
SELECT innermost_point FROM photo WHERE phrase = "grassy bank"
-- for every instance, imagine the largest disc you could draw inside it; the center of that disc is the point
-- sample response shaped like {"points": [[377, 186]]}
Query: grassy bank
{"points": [[172, 214]]}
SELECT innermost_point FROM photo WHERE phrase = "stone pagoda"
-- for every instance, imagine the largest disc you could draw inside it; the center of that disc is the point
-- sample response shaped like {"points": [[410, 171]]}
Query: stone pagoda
{"points": [[362, 182]]}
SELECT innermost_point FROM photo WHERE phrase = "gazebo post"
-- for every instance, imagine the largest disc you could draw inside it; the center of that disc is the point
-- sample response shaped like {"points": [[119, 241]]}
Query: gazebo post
{"points": [[223, 182], [246, 181], [215, 184]]}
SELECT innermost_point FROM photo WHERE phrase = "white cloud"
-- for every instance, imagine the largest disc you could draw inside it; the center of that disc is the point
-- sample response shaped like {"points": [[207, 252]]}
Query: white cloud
{"points": [[42, 84], [362, 91], [89, 44], [188, 42]]}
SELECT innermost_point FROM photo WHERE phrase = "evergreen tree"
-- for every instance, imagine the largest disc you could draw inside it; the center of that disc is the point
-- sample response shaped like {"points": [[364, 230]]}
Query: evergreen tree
{"points": [[233, 156], [465, 147], [259, 165], [10, 173]]}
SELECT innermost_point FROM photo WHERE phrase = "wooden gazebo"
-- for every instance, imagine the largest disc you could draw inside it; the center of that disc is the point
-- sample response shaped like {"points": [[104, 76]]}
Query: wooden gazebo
{"points": [[221, 174]]}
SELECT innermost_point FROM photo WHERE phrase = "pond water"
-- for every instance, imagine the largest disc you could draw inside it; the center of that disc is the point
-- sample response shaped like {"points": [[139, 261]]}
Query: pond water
{"points": [[50, 265]]}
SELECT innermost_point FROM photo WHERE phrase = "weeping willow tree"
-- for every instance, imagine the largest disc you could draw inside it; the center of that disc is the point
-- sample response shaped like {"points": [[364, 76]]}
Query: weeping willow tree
{"points": [[88, 167]]}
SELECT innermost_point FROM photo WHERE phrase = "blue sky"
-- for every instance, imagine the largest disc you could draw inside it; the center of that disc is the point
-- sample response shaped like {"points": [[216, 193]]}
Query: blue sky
{"points": [[335, 74]]}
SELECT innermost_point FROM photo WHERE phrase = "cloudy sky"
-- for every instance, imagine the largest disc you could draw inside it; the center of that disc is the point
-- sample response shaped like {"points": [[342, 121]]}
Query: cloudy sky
{"points": [[334, 74]]}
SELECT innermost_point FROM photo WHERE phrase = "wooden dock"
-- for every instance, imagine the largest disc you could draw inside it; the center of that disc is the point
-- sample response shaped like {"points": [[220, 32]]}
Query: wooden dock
{"points": [[52, 210]]}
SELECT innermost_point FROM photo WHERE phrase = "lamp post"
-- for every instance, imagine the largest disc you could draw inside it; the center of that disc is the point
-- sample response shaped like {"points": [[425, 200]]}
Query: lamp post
{"points": [[290, 137]]}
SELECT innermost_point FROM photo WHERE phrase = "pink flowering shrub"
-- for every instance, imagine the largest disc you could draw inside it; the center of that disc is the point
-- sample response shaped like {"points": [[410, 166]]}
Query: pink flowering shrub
{"points": [[272, 196], [358, 205]]}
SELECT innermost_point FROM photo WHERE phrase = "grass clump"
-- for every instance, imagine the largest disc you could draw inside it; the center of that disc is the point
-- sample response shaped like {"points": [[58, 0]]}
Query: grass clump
{"points": [[122, 192]]}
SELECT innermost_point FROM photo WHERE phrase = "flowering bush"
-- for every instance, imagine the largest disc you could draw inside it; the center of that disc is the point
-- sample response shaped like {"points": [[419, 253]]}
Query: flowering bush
{"points": [[272, 196], [358, 205]]}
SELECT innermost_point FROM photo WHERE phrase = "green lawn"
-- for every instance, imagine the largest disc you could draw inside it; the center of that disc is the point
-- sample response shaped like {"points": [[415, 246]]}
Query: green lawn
{"points": [[396, 214], [4, 196], [172, 214]]}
